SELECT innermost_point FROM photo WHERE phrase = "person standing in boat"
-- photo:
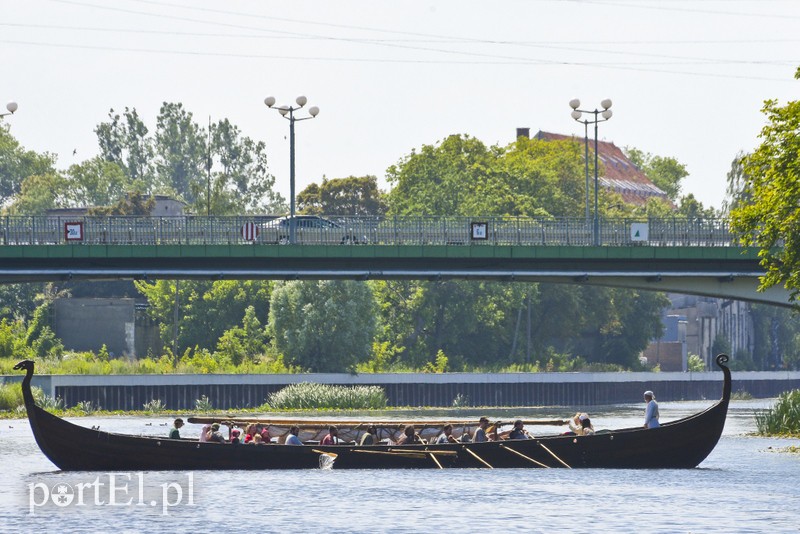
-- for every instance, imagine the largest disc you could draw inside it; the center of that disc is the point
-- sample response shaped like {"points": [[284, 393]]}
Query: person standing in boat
{"points": [[651, 412], [175, 432]]}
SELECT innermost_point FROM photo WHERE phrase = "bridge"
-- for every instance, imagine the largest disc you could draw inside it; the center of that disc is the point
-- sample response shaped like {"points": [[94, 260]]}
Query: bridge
{"points": [[677, 255]]}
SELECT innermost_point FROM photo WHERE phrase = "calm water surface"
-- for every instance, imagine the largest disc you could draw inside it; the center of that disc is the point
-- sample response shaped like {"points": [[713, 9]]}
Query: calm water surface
{"points": [[743, 486]]}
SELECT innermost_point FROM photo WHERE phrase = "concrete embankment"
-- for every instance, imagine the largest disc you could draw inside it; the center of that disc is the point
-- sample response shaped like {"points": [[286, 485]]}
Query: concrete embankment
{"points": [[179, 392]]}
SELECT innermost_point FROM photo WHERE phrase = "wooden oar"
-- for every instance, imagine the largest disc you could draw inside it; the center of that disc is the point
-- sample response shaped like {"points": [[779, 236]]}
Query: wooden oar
{"points": [[417, 455], [509, 449], [333, 454], [565, 464], [444, 453], [481, 460], [435, 460]]}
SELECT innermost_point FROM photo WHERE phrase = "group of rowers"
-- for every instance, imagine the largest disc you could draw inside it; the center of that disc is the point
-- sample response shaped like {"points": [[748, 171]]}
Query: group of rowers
{"points": [[256, 434]]}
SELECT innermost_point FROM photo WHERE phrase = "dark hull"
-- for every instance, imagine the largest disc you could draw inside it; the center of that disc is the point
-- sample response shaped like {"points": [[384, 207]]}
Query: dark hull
{"points": [[678, 444]]}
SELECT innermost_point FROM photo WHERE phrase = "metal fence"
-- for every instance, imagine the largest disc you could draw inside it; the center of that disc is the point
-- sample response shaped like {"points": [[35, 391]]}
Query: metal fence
{"points": [[336, 230]]}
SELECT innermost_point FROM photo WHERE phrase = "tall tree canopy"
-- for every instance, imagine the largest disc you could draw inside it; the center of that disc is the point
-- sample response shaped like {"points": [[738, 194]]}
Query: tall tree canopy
{"points": [[479, 323], [667, 173], [323, 326], [17, 164], [179, 161], [768, 215], [354, 195]]}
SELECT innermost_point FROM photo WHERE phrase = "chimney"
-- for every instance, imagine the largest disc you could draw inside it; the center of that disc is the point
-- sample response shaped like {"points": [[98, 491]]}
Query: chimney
{"points": [[523, 132]]}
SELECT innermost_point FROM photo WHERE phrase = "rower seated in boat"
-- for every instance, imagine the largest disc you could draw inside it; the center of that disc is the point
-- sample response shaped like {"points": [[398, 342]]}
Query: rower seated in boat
{"points": [[518, 432], [410, 436], [292, 437], [332, 438], [214, 435], [370, 436], [581, 425], [447, 435]]}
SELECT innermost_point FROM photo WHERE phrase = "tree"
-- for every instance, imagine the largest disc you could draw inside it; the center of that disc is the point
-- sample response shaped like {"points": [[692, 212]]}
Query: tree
{"points": [[342, 196], [736, 192], [133, 204], [177, 161], [665, 172], [39, 193], [96, 182], [205, 309], [17, 164], [323, 326], [243, 183], [180, 153], [768, 217], [124, 141]]}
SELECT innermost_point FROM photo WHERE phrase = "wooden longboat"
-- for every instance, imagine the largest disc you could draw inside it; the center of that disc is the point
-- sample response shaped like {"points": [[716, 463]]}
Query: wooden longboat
{"points": [[678, 444]]}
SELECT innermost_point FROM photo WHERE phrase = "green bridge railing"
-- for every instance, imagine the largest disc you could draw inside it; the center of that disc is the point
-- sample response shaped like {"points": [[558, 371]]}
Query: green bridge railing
{"points": [[337, 230]]}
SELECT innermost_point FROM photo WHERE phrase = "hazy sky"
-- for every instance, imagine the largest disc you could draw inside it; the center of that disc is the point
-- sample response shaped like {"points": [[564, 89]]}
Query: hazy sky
{"points": [[687, 78]]}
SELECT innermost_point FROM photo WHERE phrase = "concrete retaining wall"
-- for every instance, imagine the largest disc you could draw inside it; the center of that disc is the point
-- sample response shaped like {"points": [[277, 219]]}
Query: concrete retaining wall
{"points": [[179, 392]]}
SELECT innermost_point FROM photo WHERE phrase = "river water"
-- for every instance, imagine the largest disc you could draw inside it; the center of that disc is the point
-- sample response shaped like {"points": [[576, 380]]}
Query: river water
{"points": [[743, 486]]}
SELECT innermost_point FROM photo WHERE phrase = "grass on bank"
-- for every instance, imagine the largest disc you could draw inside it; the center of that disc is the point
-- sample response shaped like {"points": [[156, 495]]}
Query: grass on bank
{"points": [[783, 419]]}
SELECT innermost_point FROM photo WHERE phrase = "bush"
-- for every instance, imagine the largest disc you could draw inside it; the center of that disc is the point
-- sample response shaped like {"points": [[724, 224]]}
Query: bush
{"points": [[307, 396], [11, 396], [695, 363], [783, 418]]}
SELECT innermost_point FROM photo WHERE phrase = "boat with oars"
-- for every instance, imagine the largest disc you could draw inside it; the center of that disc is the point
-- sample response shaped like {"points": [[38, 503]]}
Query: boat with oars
{"points": [[683, 443]]}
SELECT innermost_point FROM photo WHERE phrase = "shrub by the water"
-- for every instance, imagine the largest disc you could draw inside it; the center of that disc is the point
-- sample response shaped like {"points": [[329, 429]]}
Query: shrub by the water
{"points": [[783, 418], [10, 396], [306, 395]]}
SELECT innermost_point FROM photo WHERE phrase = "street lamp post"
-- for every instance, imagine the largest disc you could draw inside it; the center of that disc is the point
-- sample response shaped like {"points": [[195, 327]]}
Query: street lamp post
{"points": [[606, 114], [284, 110], [11, 107]]}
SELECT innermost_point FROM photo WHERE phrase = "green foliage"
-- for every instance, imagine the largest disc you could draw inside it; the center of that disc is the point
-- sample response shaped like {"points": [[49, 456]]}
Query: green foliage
{"points": [[11, 396], [178, 160], [206, 309], [203, 404], [87, 407], [342, 196], [323, 326], [13, 337], [461, 401], [46, 401], [47, 345], [309, 396], [768, 215], [39, 193], [665, 172], [462, 176], [19, 301], [154, 406], [783, 418], [695, 363], [17, 164], [438, 366], [134, 203], [96, 182]]}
